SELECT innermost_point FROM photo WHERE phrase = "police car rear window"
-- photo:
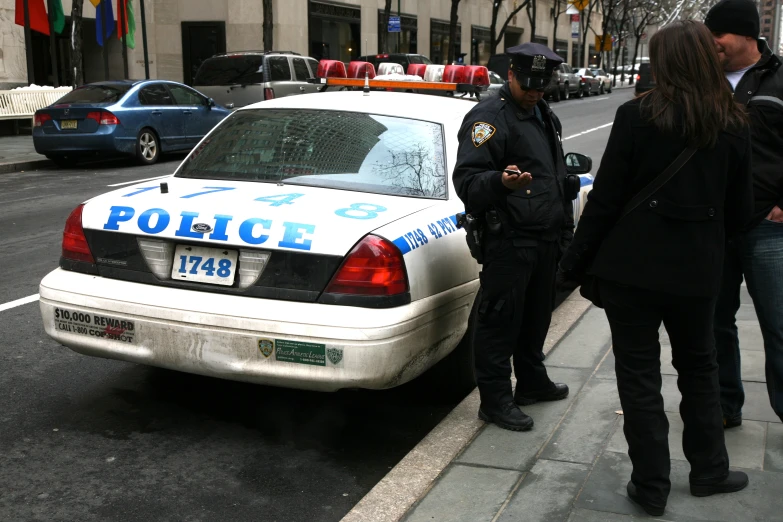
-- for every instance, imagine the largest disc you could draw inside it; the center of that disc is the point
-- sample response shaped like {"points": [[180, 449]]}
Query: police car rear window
{"points": [[333, 149]]}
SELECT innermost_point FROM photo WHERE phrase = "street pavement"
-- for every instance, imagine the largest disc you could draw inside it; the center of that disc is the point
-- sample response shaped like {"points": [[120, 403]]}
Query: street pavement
{"points": [[573, 466], [88, 439]]}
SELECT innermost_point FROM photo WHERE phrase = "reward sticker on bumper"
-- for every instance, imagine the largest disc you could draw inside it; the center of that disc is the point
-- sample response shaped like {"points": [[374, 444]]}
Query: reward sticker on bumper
{"points": [[306, 353], [94, 325]]}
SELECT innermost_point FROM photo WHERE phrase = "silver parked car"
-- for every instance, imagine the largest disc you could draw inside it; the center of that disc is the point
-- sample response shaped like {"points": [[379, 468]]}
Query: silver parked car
{"points": [[588, 82], [240, 78], [606, 80]]}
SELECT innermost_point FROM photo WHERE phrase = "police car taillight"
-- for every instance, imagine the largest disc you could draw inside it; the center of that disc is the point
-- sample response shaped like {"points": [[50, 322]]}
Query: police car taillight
{"points": [[374, 267], [75, 245]]}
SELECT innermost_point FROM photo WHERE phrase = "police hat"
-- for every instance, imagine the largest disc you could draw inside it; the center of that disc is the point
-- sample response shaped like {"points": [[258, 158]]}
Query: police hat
{"points": [[533, 64]]}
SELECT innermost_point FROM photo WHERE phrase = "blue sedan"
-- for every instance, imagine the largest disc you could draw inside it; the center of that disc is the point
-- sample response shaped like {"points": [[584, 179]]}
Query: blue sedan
{"points": [[138, 118]]}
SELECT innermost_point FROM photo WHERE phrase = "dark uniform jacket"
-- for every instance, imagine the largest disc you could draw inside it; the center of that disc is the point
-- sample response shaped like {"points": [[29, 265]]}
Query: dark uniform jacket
{"points": [[761, 89], [505, 135], [673, 242]]}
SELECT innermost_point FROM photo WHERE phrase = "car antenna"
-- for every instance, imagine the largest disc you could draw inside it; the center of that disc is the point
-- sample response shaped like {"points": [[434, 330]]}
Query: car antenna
{"points": [[366, 89]]}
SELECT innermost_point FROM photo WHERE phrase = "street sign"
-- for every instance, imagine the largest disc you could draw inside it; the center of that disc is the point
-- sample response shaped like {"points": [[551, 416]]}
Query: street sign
{"points": [[580, 4], [607, 42], [394, 24], [575, 17], [574, 29]]}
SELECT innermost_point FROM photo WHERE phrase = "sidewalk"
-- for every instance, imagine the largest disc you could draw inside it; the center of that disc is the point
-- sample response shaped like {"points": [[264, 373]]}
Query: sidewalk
{"points": [[18, 153], [573, 466]]}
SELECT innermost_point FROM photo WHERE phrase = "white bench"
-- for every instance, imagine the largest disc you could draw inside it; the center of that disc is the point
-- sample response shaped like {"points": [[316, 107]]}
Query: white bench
{"points": [[21, 104]]}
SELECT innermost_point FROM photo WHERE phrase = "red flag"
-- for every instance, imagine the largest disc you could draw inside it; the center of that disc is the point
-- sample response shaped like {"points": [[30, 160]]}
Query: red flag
{"points": [[39, 21]]}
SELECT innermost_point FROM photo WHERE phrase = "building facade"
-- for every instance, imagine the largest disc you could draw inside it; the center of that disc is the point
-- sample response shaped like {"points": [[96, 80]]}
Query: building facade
{"points": [[770, 13], [183, 33]]}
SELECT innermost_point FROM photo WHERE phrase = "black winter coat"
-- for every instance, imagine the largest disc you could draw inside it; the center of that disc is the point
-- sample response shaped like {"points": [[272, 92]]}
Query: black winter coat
{"points": [[761, 89], [674, 242], [497, 133]]}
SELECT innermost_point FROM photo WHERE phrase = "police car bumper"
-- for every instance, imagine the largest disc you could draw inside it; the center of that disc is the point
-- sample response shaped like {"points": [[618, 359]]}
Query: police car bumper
{"points": [[279, 343]]}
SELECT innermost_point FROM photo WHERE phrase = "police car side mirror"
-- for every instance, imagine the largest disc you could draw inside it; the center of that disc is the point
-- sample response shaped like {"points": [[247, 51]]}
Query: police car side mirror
{"points": [[578, 163]]}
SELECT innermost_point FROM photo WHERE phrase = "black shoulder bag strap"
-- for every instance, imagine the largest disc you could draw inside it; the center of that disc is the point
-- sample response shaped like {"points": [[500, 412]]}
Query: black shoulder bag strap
{"points": [[656, 184]]}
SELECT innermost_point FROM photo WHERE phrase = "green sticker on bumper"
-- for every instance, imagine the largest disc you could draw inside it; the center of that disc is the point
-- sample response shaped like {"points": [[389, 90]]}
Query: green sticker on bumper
{"points": [[299, 352]]}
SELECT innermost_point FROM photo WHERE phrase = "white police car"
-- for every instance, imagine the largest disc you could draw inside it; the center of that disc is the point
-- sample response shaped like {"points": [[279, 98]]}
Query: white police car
{"points": [[307, 242]]}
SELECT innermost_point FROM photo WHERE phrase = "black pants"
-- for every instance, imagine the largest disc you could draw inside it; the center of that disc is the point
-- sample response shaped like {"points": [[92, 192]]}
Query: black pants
{"points": [[635, 316], [517, 295]]}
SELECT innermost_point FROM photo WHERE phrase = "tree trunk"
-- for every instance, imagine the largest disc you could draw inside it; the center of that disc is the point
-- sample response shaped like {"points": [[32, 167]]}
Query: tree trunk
{"points": [[531, 16], [493, 39], [452, 30], [268, 26], [385, 30], [633, 62], [555, 17], [76, 43]]}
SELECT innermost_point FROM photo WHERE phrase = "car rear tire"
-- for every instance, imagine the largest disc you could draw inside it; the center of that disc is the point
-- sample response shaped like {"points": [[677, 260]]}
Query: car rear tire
{"points": [[64, 162], [601, 89], [556, 95], [578, 93], [147, 147], [454, 376], [566, 92]]}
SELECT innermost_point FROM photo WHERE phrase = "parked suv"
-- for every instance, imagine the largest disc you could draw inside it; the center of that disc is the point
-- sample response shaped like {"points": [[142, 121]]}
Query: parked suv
{"points": [[404, 59], [240, 78], [644, 80], [568, 82]]}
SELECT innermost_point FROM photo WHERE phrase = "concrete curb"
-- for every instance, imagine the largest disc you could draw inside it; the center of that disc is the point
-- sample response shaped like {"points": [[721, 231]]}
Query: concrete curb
{"points": [[415, 474], [10, 168]]}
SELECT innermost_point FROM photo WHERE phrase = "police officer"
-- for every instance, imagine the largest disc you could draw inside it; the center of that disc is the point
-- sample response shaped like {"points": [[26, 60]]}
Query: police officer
{"points": [[510, 172]]}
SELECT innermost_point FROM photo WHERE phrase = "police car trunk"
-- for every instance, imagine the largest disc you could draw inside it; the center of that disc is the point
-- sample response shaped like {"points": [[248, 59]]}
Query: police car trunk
{"points": [[273, 255]]}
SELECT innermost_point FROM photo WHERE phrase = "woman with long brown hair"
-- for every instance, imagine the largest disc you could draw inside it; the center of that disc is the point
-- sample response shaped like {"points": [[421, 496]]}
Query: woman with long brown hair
{"points": [[673, 186]]}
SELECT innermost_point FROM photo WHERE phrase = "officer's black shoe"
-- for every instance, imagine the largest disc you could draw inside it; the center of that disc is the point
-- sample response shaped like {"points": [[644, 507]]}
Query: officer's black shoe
{"points": [[736, 481], [732, 422], [651, 509], [556, 392], [509, 418]]}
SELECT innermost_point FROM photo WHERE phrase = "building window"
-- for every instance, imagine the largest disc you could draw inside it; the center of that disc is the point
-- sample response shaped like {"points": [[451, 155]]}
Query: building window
{"points": [[402, 42], [561, 49], [479, 45], [543, 40], [439, 42], [592, 57], [334, 31]]}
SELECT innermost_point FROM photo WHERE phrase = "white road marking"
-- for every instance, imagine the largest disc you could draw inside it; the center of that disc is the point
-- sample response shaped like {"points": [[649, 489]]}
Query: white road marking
{"points": [[137, 181], [589, 131], [19, 302]]}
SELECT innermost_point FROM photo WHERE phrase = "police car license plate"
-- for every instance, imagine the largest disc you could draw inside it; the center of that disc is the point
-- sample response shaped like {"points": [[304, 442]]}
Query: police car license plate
{"points": [[215, 266], [68, 124]]}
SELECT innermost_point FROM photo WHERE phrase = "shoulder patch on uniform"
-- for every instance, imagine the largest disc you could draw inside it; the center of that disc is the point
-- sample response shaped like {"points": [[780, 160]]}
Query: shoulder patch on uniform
{"points": [[482, 132]]}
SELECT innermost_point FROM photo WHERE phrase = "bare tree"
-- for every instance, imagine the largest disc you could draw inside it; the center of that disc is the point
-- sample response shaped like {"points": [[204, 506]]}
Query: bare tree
{"points": [[452, 30], [268, 26], [530, 9], [385, 31], [586, 24], [76, 43], [415, 172], [558, 8], [497, 37]]}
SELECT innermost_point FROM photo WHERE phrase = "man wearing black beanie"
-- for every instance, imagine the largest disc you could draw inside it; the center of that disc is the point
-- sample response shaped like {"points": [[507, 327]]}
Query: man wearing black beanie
{"points": [[756, 76]]}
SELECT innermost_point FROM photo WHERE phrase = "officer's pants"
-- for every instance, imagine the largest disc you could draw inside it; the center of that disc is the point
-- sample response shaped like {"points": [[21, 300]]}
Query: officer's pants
{"points": [[517, 297], [635, 317]]}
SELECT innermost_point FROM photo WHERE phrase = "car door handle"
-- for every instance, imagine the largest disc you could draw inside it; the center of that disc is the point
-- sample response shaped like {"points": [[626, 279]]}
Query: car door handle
{"points": [[302, 88], [187, 112], [157, 113]]}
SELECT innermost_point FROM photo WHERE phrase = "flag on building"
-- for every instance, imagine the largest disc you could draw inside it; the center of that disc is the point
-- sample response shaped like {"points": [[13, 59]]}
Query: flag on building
{"points": [[103, 33], [58, 21], [130, 23], [37, 12]]}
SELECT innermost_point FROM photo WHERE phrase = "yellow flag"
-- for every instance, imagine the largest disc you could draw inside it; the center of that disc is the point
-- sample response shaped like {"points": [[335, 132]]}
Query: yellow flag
{"points": [[95, 2]]}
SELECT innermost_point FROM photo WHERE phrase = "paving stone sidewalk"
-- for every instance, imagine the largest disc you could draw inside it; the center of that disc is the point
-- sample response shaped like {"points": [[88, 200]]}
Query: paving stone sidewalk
{"points": [[17, 153], [573, 466]]}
